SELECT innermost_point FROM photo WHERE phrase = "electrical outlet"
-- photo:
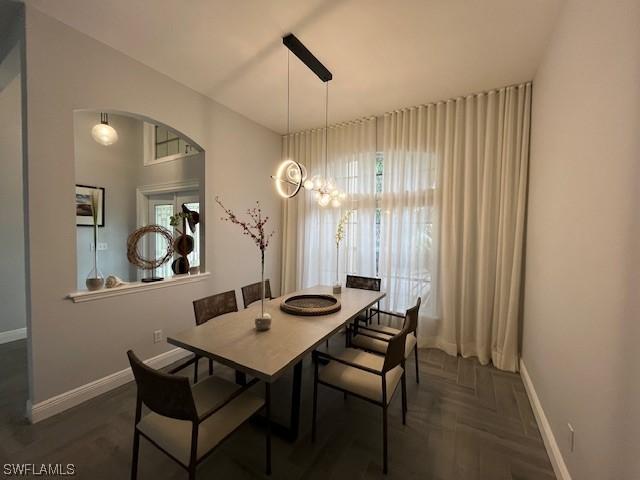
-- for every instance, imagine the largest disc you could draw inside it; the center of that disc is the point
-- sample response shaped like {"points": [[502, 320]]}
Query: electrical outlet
{"points": [[157, 336], [101, 246], [572, 437]]}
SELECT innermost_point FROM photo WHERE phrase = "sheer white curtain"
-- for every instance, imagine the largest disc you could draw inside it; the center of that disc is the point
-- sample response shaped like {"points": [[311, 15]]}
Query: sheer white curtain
{"points": [[309, 249], [455, 176]]}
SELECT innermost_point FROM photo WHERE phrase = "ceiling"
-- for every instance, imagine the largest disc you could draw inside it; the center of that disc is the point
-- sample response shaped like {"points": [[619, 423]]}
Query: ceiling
{"points": [[383, 54]]}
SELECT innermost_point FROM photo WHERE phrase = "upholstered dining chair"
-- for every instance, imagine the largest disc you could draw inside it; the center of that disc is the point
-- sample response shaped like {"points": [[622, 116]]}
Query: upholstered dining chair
{"points": [[205, 309], [367, 376], [188, 423], [253, 293], [376, 338]]}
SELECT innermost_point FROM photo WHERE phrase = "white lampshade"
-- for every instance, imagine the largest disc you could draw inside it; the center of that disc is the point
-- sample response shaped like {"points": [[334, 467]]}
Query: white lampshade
{"points": [[104, 134], [324, 200]]}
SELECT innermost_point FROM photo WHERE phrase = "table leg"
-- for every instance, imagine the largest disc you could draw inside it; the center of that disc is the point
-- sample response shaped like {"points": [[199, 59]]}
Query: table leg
{"points": [[267, 399], [289, 432]]}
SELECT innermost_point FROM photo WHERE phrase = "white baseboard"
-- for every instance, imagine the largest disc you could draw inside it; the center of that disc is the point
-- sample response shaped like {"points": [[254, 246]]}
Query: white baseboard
{"points": [[66, 400], [13, 335], [550, 443]]}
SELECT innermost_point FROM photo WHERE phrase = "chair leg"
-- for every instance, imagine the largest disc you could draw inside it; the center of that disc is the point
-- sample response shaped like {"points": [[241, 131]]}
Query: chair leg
{"points": [[385, 466], [415, 354], [210, 367], [241, 378], [136, 453], [315, 402], [192, 472], [404, 398], [267, 398], [195, 370]]}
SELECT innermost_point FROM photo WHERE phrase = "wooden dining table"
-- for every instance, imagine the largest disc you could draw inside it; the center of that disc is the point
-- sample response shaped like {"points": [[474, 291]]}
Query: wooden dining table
{"points": [[232, 340]]}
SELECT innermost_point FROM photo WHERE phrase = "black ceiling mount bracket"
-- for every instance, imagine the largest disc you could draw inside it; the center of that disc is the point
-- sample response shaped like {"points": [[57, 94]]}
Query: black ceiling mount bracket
{"points": [[308, 58]]}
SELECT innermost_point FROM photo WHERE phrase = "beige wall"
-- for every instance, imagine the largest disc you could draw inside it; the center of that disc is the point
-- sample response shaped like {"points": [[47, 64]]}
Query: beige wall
{"points": [[581, 311], [73, 344]]}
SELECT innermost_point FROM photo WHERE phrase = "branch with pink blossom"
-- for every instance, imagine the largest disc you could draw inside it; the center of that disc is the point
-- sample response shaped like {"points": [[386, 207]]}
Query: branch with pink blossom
{"points": [[254, 228]]}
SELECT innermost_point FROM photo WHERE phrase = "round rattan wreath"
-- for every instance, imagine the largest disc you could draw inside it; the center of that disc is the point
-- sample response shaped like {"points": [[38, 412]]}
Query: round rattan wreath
{"points": [[133, 253]]}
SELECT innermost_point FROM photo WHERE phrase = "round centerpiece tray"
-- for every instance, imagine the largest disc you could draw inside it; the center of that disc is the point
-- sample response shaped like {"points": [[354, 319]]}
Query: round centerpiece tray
{"points": [[310, 304]]}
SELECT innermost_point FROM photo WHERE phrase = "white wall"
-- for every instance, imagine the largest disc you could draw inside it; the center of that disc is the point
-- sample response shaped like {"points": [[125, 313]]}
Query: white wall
{"points": [[115, 168], [73, 344], [581, 311], [12, 259]]}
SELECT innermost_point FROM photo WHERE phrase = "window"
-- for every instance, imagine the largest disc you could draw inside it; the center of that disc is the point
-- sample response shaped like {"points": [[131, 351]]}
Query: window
{"points": [[169, 144], [161, 145], [161, 207], [162, 216]]}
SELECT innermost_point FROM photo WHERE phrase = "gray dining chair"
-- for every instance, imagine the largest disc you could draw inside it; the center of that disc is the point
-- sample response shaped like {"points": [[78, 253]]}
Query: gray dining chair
{"points": [[376, 338], [253, 293], [370, 377], [188, 423], [365, 283], [205, 309]]}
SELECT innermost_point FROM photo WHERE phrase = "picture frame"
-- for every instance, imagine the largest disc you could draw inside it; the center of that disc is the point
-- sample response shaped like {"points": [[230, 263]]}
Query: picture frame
{"points": [[84, 217]]}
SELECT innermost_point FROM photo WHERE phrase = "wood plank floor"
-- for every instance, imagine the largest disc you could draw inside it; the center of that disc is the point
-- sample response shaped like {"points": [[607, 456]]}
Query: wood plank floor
{"points": [[465, 421]]}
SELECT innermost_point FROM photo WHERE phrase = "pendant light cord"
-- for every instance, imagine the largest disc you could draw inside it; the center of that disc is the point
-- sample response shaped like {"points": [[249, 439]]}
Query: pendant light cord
{"points": [[288, 94], [326, 130]]}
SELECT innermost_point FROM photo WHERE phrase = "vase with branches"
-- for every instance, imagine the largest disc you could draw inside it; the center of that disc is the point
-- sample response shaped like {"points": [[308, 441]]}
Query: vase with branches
{"points": [[254, 228], [340, 233], [95, 280]]}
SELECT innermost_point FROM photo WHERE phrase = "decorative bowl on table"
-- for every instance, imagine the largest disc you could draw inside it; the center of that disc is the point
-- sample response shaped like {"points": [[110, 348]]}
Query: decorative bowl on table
{"points": [[310, 304]]}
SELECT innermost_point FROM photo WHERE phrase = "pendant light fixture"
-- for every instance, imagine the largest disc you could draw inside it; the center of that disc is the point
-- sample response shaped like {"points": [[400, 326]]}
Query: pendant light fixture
{"points": [[103, 133], [291, 176], [325, 188]]}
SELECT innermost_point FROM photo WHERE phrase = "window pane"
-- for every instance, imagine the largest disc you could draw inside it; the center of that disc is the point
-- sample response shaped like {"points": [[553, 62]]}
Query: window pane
{"points": [[172, 147], [162, 217], [161, 150]]}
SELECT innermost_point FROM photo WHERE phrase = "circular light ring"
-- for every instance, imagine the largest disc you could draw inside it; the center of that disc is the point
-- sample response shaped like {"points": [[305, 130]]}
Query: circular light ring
{"points": [[281, 174]]}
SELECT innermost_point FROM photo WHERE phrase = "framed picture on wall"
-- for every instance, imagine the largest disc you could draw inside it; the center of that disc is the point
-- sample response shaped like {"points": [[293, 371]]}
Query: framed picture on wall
{"points": [[84, 211]]}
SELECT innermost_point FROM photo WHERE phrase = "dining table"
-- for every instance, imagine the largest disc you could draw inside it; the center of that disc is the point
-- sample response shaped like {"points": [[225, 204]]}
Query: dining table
{"points": [[233, 340]]}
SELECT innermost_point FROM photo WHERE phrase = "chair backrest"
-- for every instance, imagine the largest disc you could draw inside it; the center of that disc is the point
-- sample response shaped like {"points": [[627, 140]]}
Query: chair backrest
{"points": [[166, 395], [411, 317], [363, 283], [210, 307], [253, 293], [395, 349]]}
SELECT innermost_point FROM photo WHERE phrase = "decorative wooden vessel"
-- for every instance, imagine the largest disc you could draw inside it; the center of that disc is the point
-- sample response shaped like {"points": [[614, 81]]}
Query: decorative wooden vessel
{"points": [[310, 304]]}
